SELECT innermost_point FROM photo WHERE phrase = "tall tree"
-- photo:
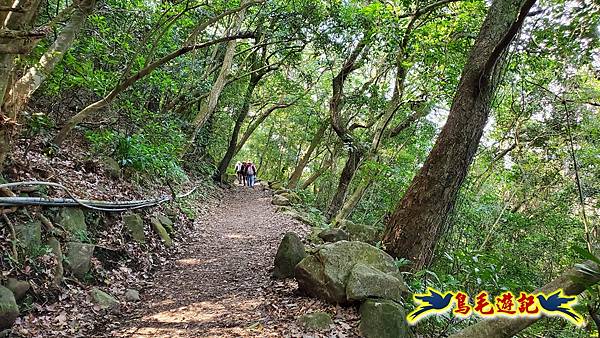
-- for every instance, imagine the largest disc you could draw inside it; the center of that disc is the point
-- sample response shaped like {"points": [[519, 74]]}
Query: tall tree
{"points": [[417, 221]]}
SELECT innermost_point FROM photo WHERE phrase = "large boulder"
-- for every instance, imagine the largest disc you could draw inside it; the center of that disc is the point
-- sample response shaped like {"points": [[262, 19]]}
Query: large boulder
{"points": [[361, 232], [30, 235], [325, 273], [280, 200], [289, 253], [9, 311], [78, 258], [333, 235], [383, 319], [58, 270], [104, 300], [161, 231], [18, 287], [316, 321], [366, 282], [73, 220], [135, 225]]}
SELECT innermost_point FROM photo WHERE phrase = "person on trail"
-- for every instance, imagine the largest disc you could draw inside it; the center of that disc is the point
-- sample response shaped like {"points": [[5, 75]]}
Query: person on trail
{"points": [[250, 173], [239, 172], [244, 176]]}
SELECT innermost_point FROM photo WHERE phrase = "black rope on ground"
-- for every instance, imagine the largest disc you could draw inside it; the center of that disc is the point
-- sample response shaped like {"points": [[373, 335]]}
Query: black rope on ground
{"points": [[108, 206]]}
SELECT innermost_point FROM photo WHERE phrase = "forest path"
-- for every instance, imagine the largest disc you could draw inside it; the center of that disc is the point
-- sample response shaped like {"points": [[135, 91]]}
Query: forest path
{"points": [[219, 284]]}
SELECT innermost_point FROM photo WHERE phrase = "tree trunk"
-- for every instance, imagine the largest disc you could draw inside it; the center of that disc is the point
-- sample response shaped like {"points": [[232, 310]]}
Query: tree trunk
{"points": [[353, 200], [573, 282], [254, 125], [295, 178], [24, 88], [312, 178], [415, 226], [14, 21], [355, 157], [128, 82], [241, 116], [208, 107]]}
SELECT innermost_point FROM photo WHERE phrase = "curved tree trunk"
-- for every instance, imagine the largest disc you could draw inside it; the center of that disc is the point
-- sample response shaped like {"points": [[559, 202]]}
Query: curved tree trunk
{"points": [[24, 88], [128, 82], [417, 221], [295, 178], [241, 116], [12, 21], [312, 178], [207, 108], [353, 200], [572, 282], [355, 157]]}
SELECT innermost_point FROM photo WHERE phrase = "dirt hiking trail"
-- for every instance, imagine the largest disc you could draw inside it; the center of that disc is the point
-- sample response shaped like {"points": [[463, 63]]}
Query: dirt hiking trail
{"points": [[219, 284]]}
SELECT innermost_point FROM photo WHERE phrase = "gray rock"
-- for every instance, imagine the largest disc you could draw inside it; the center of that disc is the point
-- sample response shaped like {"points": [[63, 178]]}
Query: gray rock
{"points": [[280, 200], [281, 191], [166, 222], [18, 287], [325, 273], [78, 258], [30, 235], [333, 235], [383, 319], [135, 225], [292, 197], [73, 221], [161, 231], [58, 270], [316, 321], [111, 167], [361, 232], [9, 311], [132, 295], [365, 282], [104, 300], [289, 253]]}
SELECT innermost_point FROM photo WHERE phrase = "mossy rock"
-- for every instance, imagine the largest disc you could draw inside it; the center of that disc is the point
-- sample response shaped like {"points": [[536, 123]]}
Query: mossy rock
{"points": [[73, 221], [383, 319], [280, 200], [166, 222], [79, 256], [9, 311], [361, 232], [366, 282], [111, 167], [325, 273], [58, 270], [291, 196], [104, 300], [333, 235], [18, 287], [289, 253], [135, 225], [281, 191], [30, 235], [161, 232], [316, 321]]}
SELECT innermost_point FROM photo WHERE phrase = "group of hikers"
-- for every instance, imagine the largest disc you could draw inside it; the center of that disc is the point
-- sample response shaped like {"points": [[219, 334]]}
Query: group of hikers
{"points": [[246, 173]]}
